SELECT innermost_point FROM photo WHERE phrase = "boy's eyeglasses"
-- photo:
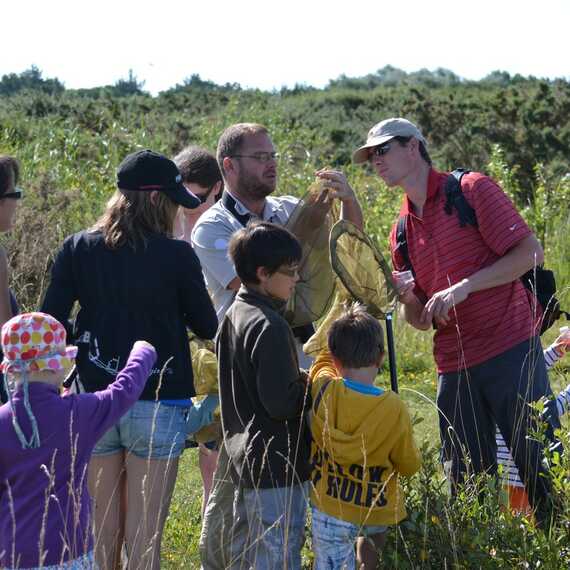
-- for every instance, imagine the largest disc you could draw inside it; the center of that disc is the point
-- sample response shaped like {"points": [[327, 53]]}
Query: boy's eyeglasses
{"points": [[380, 150], [259, 156], [16, 194], [289, 271]]}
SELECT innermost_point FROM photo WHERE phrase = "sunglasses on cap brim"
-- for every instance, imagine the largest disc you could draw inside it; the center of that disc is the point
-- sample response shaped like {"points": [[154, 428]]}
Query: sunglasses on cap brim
{"points": [[16, 194], [379, 150], [204, 197]]}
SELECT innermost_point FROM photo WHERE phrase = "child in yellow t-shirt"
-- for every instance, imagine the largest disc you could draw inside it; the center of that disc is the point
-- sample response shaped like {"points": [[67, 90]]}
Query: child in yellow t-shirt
{"points": [[362, 443]]}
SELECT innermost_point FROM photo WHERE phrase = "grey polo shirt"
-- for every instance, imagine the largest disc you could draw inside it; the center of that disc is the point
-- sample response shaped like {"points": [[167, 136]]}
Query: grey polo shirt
{"points": [[210, 238]]}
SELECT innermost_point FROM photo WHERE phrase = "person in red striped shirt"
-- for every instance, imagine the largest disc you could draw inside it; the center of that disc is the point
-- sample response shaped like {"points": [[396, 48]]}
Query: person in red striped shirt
{"points": [[466, 285]]}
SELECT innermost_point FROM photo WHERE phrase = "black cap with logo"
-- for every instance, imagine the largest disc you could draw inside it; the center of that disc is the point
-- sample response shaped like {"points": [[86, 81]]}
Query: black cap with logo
{"points": [[146, 170]]}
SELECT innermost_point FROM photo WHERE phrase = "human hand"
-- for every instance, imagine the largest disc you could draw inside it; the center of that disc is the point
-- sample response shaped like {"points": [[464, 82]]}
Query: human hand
{"points": [[337, 185], [143, 344], [404, 283], [303, 377], [562, 342], [437, 308]]}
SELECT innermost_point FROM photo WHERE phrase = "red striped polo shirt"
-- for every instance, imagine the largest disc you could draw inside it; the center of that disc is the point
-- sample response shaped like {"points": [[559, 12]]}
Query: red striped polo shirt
{"points": [[442, 253]]}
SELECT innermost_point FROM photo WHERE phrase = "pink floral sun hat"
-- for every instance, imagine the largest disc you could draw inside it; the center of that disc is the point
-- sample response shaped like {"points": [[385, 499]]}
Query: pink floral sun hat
{"points": [[34, 342]]}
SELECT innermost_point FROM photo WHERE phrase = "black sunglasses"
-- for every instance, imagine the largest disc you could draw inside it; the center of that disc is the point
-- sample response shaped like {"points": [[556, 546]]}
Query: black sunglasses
{"points": [[204, 197], [380, 150], [17, 194]]}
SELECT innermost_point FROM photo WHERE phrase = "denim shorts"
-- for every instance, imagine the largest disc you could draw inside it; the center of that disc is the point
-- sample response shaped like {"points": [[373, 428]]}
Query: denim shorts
{"points": [[333, 540], [85, 562], [148, 430]]}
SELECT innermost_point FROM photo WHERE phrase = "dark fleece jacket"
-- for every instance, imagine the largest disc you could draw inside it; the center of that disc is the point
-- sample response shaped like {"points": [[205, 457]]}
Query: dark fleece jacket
{"points": [[263, 395]]}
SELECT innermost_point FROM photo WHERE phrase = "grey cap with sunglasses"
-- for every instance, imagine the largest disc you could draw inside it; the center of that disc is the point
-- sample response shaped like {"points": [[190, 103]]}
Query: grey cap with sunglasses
{"points": [[385, 131]]}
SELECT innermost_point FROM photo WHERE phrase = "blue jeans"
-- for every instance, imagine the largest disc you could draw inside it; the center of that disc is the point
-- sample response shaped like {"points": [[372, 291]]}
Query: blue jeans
{"points": [[275, 520], [334, 540]]}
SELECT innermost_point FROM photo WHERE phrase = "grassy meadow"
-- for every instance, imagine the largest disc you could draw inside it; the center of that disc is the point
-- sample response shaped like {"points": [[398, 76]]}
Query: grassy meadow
{"points": [[70, 144]]}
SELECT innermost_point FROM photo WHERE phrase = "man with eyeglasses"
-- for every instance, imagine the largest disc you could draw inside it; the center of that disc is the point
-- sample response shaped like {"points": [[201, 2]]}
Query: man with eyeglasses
{"points": [[248, 161], [466, 285]]}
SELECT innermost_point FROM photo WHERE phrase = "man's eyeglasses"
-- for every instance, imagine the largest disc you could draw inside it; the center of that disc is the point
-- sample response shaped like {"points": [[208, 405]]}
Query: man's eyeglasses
{"points": [[379, 150], [259, 156], [289, 271], [16, 194]]}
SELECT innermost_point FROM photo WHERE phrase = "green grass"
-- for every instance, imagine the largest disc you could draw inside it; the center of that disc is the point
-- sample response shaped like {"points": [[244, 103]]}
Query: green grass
{"points": [[182, 531]]}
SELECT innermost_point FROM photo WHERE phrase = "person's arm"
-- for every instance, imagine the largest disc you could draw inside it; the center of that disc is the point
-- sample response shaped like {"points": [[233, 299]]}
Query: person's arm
{"points": [[234, 284], [407, 290], [105, 408], [524, 256], [557, 349], [5, 305], [405, 455], [210, 239], [199, 312], [202, 413], [323, 367], [340, 189], [505, 233], [551, 355], [281, 386], [413, 312], [61, 293]]}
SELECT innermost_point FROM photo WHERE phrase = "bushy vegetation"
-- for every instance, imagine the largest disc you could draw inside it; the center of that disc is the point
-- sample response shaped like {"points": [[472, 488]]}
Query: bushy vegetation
{"points": [[516, 129]]}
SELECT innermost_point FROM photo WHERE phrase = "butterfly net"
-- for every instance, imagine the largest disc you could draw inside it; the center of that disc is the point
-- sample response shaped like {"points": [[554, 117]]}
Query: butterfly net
{"points": [[362, 269], [311, 222]]}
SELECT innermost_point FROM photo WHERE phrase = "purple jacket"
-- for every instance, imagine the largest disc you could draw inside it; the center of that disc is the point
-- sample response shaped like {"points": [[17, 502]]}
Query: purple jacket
{"points": [[44, 503]]}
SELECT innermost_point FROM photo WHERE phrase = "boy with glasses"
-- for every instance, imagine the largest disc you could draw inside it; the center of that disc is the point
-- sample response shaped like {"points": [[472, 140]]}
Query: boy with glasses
{"points": [[247, 159], [263, 398]]}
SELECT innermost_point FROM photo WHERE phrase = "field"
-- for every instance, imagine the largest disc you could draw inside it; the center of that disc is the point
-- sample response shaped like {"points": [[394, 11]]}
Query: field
{"points": [[70, 143]]}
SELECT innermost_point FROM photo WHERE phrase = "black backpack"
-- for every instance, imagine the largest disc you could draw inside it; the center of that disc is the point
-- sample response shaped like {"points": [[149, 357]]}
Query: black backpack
{"points": [[538, 280]]}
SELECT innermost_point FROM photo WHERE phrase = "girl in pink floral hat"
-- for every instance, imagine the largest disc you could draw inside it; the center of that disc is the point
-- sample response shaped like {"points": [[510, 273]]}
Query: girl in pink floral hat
{"points": [[47, 441]]}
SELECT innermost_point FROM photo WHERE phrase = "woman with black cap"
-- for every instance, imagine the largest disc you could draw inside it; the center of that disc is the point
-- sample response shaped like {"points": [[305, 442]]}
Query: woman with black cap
{"points": [[132, 281]]}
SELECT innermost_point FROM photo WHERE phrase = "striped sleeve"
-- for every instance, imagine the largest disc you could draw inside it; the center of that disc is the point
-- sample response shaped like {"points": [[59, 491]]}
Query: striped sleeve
{"points": [[551, 356], [563, 401]]}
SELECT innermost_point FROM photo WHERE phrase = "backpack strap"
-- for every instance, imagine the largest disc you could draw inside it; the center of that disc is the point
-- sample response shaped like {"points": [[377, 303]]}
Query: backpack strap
{"points": [[230, 204], [320, 395], [454, 198], [402, 243]]}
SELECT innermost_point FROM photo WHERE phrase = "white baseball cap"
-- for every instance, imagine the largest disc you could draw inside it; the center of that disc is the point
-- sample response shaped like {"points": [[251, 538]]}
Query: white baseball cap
{"points": [[384, 131]]}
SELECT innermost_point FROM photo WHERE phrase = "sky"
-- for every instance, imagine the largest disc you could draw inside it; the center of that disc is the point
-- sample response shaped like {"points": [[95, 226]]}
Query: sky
{"points": [[270, 44]]}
